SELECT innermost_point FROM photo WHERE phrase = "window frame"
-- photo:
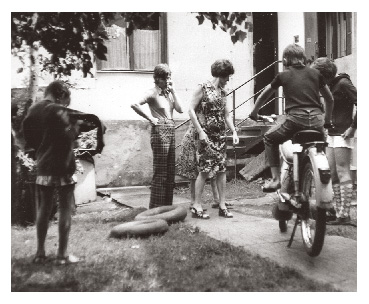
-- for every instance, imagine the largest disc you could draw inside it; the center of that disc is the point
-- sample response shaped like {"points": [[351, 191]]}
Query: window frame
{"points": [[163, 52], [338, 35]]}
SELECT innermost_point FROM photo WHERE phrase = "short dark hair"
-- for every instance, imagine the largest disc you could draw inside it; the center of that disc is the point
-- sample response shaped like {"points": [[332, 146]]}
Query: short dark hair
{"points": [[326, 67], [222, 68], [58, 89], [294, 54], [161, 71]]}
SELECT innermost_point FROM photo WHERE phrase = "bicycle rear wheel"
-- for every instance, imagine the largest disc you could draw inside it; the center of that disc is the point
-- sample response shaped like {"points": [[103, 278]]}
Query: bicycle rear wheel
{"points": [[313, 223]]}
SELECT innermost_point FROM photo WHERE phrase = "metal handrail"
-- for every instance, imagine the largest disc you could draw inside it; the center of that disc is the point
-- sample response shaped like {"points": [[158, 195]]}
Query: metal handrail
{"points": [[257, 74]]}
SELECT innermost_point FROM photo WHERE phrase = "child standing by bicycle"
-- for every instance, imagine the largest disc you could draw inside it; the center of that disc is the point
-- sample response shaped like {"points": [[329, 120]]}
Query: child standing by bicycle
{"points": [[301, 87], [341, 138]]}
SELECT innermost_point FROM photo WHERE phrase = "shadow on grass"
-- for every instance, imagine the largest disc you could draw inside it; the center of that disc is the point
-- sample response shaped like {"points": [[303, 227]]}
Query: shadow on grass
{"points": [[183, 259]]}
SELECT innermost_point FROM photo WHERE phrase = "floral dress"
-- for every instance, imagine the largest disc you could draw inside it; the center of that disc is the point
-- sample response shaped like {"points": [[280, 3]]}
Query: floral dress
{"points": [[187, 161], [211, 116]]}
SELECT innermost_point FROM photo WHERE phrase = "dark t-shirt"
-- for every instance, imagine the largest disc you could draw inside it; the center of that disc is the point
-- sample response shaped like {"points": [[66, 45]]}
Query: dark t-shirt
{"points": [[301, 87], [345, 97], [48, 130]]}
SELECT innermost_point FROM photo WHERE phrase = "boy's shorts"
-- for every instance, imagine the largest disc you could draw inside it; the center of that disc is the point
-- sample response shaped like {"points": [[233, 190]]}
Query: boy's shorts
{"points": [[55, 181], [340, 142]]}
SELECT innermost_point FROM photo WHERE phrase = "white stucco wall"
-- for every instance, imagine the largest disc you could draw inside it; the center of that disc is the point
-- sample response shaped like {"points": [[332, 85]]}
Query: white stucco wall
{"points": [[290, 25], [192, 48]]}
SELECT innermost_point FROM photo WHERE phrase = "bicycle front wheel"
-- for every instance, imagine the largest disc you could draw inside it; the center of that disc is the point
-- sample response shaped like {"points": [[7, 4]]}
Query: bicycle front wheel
{"points": [[313, 223]]}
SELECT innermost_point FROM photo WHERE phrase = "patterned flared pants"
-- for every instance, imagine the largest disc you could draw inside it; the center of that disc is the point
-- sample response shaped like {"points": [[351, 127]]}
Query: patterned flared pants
{"points": [[163, 148]]}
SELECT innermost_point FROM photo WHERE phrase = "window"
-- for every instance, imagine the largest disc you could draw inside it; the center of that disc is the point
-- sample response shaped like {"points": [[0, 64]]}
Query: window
{"points": [[338, 28], [141, 51]]}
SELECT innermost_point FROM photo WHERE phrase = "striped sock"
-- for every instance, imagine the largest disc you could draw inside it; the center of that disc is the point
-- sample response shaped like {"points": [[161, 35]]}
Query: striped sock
{"points": [[346, 196], [336, 198]]}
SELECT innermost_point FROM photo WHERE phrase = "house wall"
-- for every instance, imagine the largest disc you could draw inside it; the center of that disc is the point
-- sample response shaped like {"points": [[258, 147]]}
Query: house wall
{"points": [[192, 48], [127, 157], [289, 26]]}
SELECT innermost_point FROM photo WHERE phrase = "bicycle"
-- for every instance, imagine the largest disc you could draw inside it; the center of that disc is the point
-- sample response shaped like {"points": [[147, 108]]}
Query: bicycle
{"points": [[306, 187]]}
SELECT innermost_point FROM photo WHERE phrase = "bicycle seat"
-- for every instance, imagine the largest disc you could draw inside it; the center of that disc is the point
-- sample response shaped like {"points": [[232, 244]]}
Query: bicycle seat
{"points": [[306, 136]]}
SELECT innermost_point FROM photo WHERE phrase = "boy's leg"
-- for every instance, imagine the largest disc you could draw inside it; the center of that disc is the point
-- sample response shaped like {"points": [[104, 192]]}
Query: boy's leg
{"points": [[336, 203], [65, 218], [272, 139], [44, 207]]}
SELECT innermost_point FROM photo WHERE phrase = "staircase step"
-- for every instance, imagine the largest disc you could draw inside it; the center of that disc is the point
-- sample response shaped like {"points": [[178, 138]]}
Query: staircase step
{"points": [[180, 181], [254, 145], [243, 139], [256, 130], [240, 151]]}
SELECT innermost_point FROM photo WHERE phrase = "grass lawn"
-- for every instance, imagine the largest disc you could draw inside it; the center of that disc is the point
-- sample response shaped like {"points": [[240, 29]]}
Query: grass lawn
{"points": [[183, 259]]}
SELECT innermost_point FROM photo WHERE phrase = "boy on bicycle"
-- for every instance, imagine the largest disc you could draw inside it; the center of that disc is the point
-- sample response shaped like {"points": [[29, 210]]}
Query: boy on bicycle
{"points": [[301, 87]]}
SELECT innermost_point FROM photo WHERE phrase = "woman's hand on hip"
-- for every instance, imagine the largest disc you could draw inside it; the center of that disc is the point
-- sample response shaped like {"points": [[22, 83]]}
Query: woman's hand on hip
{"points": [[154, 121], [349, 133]]}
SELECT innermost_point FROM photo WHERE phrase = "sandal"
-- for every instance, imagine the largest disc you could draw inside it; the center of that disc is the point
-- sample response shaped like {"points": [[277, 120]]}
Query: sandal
{"points": [[225, 213], [199, 214], [204, 209], [70, 259]]}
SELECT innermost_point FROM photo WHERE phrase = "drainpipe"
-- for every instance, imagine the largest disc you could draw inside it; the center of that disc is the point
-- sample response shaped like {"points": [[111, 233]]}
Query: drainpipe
{"points": [[234, 124]]}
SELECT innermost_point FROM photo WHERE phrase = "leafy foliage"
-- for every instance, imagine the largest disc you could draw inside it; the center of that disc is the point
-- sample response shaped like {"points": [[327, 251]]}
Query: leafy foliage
{"points": [[69, 35], [141, 21], [236, 24], [61, 32]]}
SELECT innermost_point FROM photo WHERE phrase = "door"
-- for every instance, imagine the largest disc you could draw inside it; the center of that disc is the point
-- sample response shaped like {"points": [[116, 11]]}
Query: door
{"points": [[265, 40]]}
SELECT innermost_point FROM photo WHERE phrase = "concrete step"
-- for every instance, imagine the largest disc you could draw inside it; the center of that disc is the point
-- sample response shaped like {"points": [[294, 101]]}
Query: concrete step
{"points": [[181, 181], [254, 146], [244, 138], [255, 130]]}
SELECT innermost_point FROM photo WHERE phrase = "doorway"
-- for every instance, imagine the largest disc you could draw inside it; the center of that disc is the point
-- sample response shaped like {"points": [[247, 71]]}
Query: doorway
{"points": [[265, 41]]}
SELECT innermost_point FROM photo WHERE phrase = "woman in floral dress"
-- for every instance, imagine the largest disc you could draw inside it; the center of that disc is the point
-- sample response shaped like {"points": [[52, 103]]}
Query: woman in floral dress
{"points": [[209, 114], [187, 165]]}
